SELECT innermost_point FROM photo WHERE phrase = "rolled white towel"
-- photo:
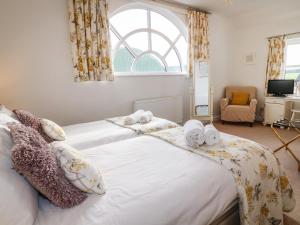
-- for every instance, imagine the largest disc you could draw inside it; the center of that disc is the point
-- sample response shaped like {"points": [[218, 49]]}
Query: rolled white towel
{"points": [[146, 117], [134, 117], [194, 133], [212, 135]]}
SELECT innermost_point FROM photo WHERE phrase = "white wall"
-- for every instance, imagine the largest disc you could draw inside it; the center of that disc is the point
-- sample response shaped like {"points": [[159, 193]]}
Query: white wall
{"points": [[36, 68], [221, 45], [250, 35]]}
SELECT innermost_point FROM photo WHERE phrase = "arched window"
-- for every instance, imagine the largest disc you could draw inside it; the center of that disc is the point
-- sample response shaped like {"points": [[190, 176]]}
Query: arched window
{"points": [[147, 41]]}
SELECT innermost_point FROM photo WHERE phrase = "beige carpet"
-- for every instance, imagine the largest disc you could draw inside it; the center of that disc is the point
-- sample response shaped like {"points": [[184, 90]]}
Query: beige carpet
{"points": [[265, 135]]}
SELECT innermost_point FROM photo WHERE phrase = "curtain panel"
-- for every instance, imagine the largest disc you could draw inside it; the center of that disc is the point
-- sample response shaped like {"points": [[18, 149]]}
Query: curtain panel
{"points": [[198, 38], [89, 31], [275, 64]]}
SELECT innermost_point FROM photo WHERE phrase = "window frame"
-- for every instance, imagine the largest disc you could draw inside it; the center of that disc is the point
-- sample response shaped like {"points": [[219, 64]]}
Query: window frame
{"points": [[290, 41], [172, 17]]}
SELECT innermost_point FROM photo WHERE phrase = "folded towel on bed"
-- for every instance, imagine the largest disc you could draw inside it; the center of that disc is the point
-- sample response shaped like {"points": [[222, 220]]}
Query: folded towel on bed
{"points": [[146, 117], [133, 118], [194, 133], [211, 134]]}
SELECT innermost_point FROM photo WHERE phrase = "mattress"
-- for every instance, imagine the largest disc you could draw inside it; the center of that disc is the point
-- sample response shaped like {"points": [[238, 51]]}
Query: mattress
{"points": [[149, 182], [86, 135]]}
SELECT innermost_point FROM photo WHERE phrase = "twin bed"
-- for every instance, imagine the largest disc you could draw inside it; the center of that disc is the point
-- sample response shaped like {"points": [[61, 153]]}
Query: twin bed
{"points": [[148, 181], [85, 135]]}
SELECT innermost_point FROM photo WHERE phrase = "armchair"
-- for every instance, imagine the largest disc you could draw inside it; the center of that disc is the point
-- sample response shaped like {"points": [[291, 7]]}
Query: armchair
{"points": [[238, 113]]}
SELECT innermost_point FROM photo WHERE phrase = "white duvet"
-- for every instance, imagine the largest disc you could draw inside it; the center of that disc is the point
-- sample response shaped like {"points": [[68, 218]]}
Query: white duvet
{"points": [[85, 135], [149, 182]]}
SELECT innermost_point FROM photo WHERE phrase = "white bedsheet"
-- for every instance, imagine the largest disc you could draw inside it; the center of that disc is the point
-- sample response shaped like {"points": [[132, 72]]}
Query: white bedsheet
{"points": [[86, 135], [149, 182]]}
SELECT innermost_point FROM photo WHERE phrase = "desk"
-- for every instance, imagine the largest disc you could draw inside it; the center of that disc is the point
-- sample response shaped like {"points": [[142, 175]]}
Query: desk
{"points": [[278, 108]]}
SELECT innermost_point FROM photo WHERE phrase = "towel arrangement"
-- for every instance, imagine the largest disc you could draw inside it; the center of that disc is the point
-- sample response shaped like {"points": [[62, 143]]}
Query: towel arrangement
{"points": [[140, 116], [196, 134], [212, 135], [146, 117]]}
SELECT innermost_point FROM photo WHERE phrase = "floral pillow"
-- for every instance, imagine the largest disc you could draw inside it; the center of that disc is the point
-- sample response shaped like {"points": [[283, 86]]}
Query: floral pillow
{"points": [[33, 158], [78, 169], [53, 130]]}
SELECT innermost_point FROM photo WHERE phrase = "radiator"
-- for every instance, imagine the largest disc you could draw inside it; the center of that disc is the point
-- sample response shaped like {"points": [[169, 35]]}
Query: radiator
{"points": [[170, 108]]}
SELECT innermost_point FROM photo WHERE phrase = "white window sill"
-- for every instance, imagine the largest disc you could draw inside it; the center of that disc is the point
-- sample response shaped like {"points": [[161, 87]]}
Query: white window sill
{"points": [[150, 74]]}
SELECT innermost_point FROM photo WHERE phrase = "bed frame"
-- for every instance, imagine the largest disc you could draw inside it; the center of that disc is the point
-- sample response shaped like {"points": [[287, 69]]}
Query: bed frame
{"points": [[230, 217]]}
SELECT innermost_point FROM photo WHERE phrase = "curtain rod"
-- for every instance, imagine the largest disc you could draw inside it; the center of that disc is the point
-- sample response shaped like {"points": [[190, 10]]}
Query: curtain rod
{"points": [[289, 34], [177, 5]]}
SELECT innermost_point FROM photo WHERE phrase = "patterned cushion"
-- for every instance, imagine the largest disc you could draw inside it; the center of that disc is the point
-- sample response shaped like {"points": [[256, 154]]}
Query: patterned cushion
{"points": [[53, 130], [34, 159], [30, 120], [78, 170]]}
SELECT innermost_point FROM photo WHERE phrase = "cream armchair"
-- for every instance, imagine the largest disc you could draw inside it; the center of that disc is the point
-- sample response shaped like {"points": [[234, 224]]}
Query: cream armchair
{"points": [[238, 113]]}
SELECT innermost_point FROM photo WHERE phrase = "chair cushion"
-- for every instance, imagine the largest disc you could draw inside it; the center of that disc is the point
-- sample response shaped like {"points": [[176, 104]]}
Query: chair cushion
{"points": [[248, 89], [240, 98], [238, 113], [241, 108]]}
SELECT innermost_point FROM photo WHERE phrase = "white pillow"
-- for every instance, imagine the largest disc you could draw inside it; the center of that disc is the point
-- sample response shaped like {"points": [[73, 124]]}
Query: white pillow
{"points": [[5, 118], [5, 110], [5, 137], [19, 201], [53, 130], [80, 172]]}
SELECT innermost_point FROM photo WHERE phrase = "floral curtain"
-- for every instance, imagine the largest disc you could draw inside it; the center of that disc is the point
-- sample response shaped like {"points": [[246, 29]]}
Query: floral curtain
{"points": [[198, 38], [90, 40], [275, 66]]}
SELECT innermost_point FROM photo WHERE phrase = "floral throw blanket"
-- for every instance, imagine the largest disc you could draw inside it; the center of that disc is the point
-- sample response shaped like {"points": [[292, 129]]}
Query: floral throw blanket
{"points": [[264, 190], [156, 124]]}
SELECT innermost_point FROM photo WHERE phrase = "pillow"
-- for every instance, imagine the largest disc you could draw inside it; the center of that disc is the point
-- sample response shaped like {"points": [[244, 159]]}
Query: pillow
{"points": [[16, 194], [53, 130], [3, 109], [30, 120], [34, 158], [240, 98], [5, 138], [78, 170], [5, 118]]}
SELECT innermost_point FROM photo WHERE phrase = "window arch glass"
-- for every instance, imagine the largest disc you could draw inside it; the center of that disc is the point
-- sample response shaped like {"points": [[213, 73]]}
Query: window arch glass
{"points": [[147, 41]]}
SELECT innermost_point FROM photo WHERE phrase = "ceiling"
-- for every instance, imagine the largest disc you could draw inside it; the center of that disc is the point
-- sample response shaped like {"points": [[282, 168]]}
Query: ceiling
{"points": [[242, 7]]}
